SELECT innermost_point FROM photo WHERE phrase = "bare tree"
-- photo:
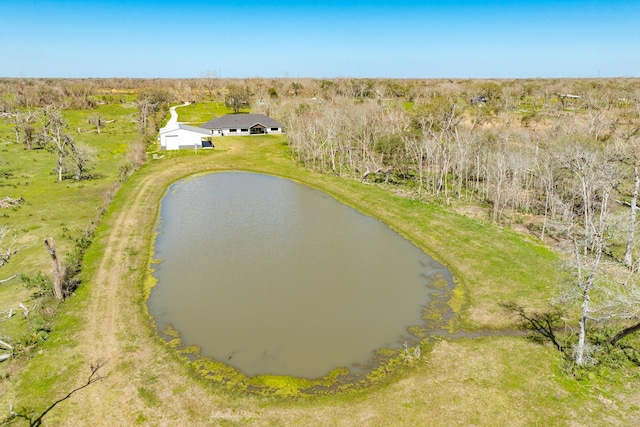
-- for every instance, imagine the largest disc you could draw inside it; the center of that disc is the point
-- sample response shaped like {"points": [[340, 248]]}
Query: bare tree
{"points": [[588, 230], [56, 140], [16, 121], [58, 269], [29, 137], [35, 419], [633, 208], [152, 106], [22, 124], [145, 108], [210, 81], [238, 97], [631, 154], [82, 159], [622, 302], [97, 120], [7, 245]]}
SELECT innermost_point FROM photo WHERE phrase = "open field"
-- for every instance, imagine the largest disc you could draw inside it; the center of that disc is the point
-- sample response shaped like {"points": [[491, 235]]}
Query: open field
{"points": [[63, 210], [485, 381]]}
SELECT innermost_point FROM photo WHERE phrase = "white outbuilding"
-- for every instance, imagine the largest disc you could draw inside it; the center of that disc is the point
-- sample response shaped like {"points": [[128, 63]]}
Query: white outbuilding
{"points": [[180, 136]]}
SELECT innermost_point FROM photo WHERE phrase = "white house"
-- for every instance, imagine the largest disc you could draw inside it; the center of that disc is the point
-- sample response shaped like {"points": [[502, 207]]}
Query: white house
{"points": [[180, 136], [243, 124]]}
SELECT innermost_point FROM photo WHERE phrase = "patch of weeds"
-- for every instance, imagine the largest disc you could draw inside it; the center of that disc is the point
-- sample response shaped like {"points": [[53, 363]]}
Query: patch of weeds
{"points": [[457, 299], [417, 331], [39, 283], [281, 385], [172, 332], [178, 390], [385, 352], [440, 282], [131, 348], [140, 418], [192, 350], [149, 397], [411, 355]]}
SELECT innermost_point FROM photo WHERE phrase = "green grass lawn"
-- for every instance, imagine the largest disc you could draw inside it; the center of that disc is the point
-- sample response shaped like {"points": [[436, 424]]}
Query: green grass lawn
{"points": [[201, 112]]}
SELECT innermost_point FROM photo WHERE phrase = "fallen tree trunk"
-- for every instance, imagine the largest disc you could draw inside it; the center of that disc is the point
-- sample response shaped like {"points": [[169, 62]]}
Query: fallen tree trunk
{"points": [[623, 333], [25, 308], [10, 278]]}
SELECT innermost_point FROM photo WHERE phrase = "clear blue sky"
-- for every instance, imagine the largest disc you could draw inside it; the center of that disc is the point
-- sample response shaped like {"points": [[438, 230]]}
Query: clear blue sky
{"points": [[351, 38]]}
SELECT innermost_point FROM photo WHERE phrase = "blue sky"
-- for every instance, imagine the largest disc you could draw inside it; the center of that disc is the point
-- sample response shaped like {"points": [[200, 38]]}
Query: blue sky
{"points": [[352, 38]]}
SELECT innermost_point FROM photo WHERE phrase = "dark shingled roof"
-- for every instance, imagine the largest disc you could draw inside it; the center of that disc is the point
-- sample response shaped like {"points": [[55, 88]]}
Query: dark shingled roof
{"points": [[240, 121], [193, 129]]}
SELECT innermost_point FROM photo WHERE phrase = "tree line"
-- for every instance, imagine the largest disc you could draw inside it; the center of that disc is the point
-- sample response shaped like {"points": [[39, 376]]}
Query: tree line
{"points": [[565, 165]]}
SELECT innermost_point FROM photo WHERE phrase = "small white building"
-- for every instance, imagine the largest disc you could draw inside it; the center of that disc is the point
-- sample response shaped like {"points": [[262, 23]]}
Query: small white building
{"points": [[180, 136]]}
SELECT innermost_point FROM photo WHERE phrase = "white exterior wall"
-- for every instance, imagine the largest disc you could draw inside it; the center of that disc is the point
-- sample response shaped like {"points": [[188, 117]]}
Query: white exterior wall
{"points": [[176, 138], [226, 132]]}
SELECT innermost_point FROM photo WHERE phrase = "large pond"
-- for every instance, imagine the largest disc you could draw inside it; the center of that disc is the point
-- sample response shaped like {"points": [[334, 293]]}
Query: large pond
{"points": [[273, 277]]}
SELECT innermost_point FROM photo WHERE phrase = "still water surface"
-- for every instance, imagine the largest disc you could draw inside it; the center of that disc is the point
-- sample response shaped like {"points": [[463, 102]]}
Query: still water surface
{"points": [[271, 276]]}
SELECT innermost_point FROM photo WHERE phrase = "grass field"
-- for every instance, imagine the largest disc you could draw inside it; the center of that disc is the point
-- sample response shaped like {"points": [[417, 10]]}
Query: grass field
{"points": [[201, 112], [497, 380], [61, 210]]}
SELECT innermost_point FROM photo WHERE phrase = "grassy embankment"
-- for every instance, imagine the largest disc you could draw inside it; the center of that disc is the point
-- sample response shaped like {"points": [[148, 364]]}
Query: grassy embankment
{"points": [[487, 381]]}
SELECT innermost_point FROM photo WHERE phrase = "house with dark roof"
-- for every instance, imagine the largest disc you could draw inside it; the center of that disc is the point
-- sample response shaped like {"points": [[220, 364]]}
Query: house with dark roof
{"points": [[243, 124]]}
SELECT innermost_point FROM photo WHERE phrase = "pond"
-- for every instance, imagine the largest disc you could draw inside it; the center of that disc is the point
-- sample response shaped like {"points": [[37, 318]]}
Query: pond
{"points": [[274, 277]]}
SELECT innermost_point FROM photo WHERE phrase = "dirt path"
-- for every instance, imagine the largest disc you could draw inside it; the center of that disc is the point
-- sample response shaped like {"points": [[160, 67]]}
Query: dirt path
{"points": [[174, 114], [109, 333], [144, 383]]}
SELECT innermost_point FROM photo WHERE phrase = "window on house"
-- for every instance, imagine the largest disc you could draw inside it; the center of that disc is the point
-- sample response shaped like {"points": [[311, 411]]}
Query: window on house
{"points": [[244, 130], [274, 129], [233, 130]]}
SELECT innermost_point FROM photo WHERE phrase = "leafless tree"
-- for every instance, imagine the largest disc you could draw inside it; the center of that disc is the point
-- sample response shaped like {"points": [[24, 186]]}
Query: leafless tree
{"points": [[630, 155], [58, 269], [210, 81], [97, 120], [621, 302], [36, 419], [82, 159], [7, 244], [145, 108], [588, 218], [56, 140]]}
